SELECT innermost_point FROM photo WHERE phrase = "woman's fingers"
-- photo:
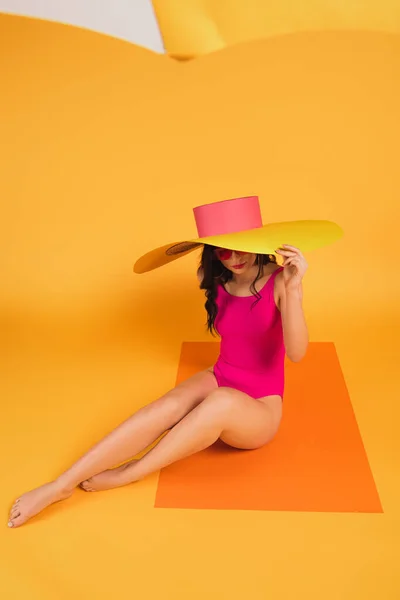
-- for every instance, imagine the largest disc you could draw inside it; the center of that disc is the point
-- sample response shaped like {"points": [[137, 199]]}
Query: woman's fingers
{"points": [[293, 248], [287, 250], [292, 260]]}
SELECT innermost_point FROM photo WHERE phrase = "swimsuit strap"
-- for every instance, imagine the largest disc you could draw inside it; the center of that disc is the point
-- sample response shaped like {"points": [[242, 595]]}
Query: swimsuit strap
{"points": [[275, 273], [271, 279], [268, 288]]}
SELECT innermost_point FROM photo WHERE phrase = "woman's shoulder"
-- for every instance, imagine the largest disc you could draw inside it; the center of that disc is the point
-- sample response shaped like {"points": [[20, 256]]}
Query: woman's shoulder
{"points": [[277, 272], [274, 267], [275, 280], [277, 276], [274, 272]]}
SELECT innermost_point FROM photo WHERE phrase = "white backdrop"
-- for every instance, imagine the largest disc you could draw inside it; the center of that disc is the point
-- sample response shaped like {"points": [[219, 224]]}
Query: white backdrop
{"points": [[132, 20]]}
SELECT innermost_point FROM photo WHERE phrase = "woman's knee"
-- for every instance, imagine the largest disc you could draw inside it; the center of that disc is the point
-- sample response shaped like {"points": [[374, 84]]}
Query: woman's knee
{"points": [[170, 405], [220, 400]]}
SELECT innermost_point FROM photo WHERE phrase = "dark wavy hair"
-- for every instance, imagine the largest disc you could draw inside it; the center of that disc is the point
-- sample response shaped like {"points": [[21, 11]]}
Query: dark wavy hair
{"points": [[212, 273]]}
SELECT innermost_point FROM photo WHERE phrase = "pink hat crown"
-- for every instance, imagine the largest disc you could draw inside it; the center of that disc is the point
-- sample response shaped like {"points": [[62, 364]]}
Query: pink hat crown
{"points": [[219, 218], [228, 216]]}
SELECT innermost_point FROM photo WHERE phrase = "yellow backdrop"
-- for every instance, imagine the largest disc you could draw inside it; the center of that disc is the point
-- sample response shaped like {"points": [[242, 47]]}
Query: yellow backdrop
{"points": [[104, 150]]}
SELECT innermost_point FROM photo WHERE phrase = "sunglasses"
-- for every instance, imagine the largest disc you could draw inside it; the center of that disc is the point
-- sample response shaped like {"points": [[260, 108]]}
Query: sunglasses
{"points": [[224, 254]]}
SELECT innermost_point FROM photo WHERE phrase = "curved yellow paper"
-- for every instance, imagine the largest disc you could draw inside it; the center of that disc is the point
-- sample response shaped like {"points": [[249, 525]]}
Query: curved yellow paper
{"points": [[306, 235], [194, 27]]}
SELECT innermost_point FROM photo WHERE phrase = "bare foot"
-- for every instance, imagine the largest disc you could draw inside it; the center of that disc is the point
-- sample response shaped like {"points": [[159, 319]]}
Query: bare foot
{"points": [[109, 479], [32, 503]]}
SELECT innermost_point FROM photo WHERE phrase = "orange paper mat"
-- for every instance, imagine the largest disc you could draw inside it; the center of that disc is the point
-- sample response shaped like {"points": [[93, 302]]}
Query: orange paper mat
{"points": [[317, 462]]}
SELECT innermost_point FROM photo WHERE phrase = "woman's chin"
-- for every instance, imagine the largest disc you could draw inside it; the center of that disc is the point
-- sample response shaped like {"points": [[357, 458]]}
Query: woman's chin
{"points": [[239, 269]]}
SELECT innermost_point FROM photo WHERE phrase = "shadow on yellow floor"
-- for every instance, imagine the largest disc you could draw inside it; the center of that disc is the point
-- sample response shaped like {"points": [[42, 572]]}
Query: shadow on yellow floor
{"points": [[105, 149]]}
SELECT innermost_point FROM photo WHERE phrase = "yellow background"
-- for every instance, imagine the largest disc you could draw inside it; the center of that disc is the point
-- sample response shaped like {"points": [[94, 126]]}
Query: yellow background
{"points": [[105, 148]]}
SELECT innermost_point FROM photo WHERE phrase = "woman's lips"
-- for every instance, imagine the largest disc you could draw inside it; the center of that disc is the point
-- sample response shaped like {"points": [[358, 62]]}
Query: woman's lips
{"points": [[239, 266]]}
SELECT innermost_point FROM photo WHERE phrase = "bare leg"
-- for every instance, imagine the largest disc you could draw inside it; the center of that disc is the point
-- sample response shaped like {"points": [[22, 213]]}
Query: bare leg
{"points": [[129, 438], [232, 416]]}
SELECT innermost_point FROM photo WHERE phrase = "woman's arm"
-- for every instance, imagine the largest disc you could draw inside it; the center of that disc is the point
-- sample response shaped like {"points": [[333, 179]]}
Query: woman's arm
{"points": [[295, 332], [290, 298]]}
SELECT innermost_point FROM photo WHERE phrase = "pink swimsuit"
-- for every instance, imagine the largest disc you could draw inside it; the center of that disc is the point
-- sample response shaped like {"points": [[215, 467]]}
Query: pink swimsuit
{"points": [[252, 350]]}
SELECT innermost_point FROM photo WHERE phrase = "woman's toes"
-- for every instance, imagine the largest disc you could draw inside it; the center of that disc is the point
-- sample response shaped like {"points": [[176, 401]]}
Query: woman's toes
{"points": [[85, 485], [33, 502], [16, 522]]}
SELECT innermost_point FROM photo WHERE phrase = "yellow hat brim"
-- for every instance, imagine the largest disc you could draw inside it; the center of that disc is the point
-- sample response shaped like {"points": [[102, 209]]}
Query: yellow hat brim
{"points": [[305, 235]]}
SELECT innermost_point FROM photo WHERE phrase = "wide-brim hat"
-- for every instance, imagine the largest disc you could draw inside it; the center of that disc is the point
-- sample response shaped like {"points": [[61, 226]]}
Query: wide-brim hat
{"points": [[237, 224]]}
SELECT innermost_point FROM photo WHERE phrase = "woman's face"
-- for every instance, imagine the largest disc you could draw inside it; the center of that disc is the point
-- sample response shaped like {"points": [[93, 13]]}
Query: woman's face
{"points": [[235, 261]]}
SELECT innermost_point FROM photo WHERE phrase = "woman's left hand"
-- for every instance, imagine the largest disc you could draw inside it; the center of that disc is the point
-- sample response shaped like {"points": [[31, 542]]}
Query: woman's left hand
{"points": [[294, 265]]}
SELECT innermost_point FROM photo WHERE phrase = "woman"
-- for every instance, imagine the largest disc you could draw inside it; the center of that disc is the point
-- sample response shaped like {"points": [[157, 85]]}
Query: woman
{"points": [[256, 307]]}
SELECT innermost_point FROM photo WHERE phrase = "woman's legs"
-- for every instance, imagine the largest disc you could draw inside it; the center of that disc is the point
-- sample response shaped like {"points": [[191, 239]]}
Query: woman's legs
{"points": [[232, 416], [129, 438]]}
